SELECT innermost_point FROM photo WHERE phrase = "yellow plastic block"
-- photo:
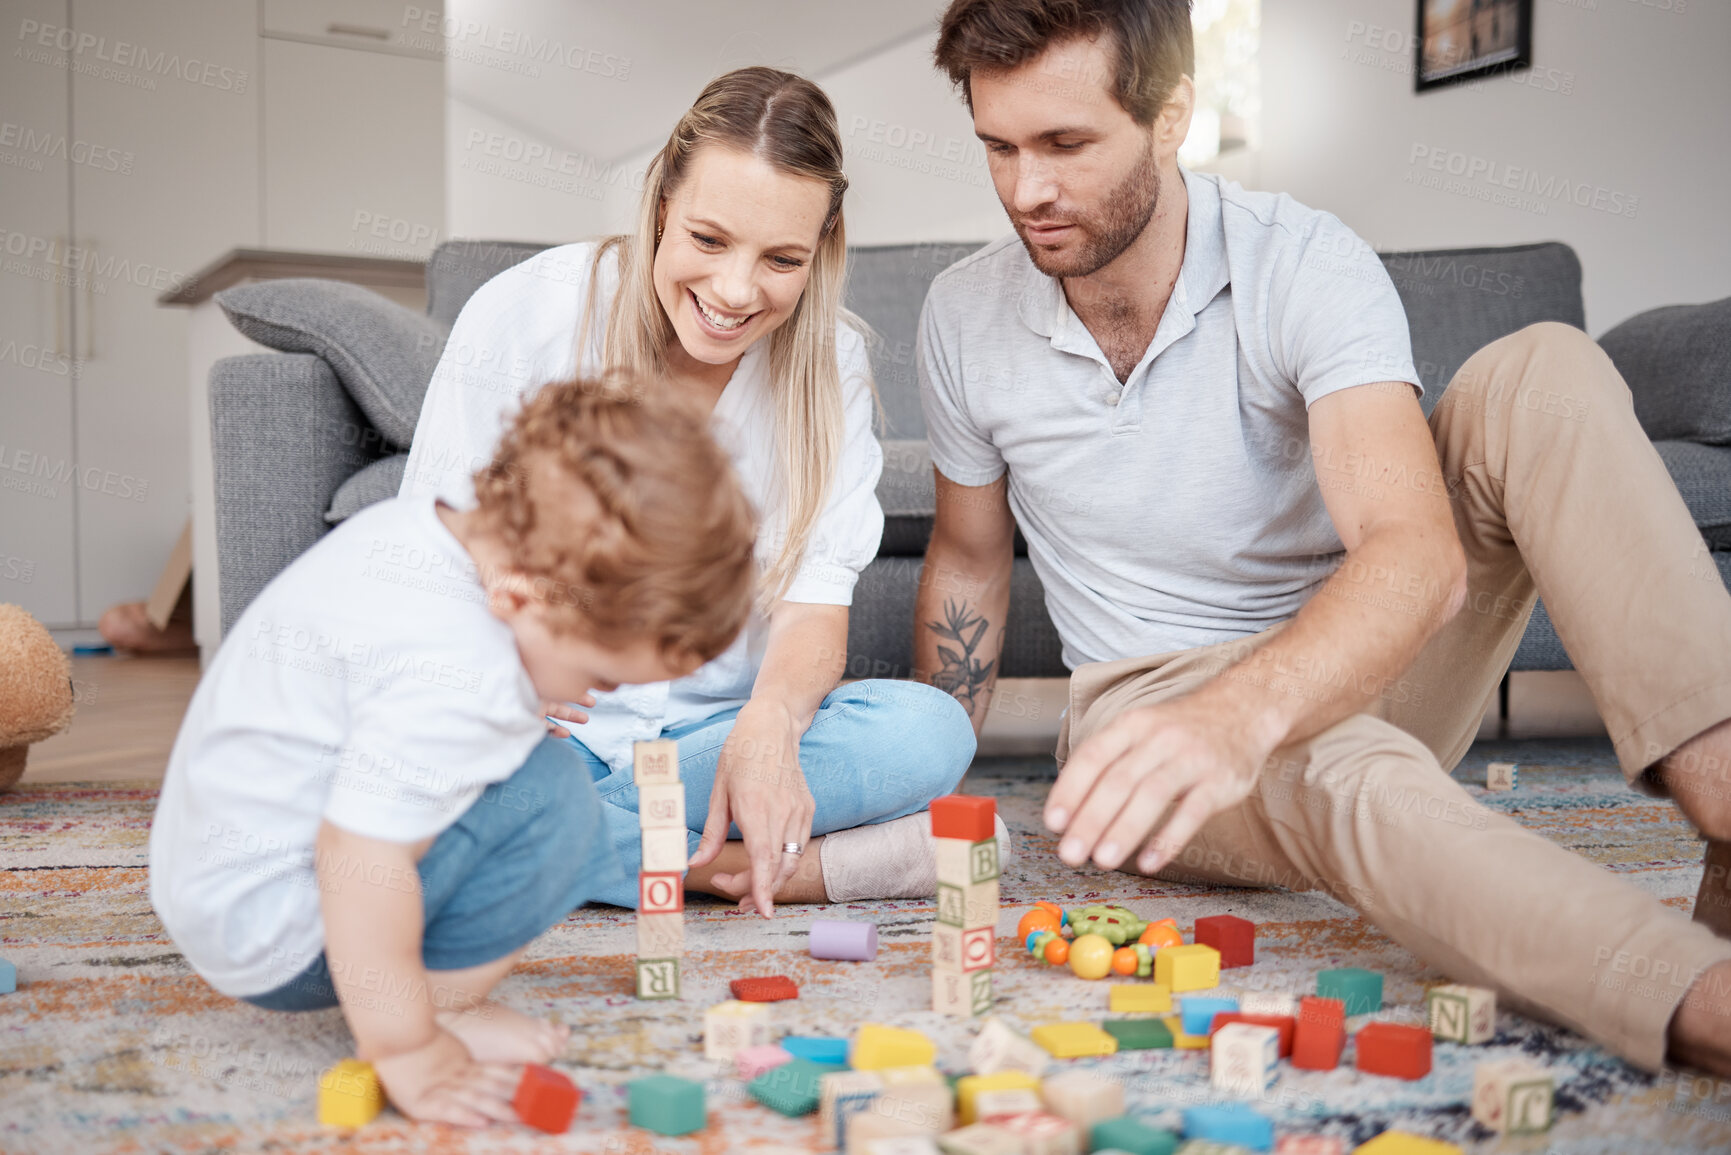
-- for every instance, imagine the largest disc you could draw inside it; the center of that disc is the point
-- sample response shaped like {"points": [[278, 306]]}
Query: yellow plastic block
{"points": [[1075, 1040], [1400, 1143], [1194, 967], [350, 1095], [1182, 1041], [969, 1086], [1153, 998], [877, 1047]]}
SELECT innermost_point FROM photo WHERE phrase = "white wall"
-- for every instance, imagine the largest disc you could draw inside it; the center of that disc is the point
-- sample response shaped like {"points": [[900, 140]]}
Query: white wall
{"points": [[1629, 100], [1627, 105]]}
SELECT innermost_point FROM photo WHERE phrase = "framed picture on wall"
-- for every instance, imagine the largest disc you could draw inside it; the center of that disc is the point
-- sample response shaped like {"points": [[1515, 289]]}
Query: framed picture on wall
{"points": [[1460, 39]]}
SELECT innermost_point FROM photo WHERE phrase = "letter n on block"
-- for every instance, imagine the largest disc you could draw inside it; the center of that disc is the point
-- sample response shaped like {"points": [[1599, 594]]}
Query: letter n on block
{"points": [[660, 894]]}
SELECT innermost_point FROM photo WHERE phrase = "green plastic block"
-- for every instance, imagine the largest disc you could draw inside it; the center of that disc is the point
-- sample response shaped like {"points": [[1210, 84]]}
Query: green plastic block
{"points": [[791, 1088], [1139, 1034], [1359, 989], [667, 1105], [1131, 1135]]}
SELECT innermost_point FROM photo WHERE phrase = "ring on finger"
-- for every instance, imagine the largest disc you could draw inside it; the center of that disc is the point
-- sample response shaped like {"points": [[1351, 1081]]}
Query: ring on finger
{"points": [[794, 848]]}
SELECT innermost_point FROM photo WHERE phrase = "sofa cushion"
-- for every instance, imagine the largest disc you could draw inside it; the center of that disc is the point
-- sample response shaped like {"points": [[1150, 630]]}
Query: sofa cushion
{"points": [[457, 268], [1677, 361], [1460, 300], [1703, 477], [886, 286], [383, 353], [382, 479]]}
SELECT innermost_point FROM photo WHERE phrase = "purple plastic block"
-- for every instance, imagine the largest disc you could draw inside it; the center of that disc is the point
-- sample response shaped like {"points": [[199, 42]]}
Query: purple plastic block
{"points": [[833, 938]]}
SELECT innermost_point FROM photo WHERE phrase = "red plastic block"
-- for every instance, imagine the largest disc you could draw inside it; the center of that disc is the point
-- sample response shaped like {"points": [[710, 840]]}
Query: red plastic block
{"points": [[1285, 1024], [767, 989], [1233, 937], [546, 1100], [1321, 1034], [963, 816], [1391, 1049]]}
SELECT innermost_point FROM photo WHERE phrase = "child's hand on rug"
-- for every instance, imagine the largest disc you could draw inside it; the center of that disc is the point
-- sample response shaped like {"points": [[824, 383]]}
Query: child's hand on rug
{"points": [[440, 1082], [495, 1033]]}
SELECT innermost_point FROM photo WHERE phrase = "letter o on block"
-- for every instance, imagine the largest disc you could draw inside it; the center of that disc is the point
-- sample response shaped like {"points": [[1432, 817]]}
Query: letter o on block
{"points": [[660, 893]]}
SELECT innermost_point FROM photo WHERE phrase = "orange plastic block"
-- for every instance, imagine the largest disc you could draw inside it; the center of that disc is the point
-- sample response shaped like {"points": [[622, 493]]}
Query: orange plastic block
{"points": [[1285, 1024], [1320, 1035], [1393, 1049], [546, 1100], [963, 816]]}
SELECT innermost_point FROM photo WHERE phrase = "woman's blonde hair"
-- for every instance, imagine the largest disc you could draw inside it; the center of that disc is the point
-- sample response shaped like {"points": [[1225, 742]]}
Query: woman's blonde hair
{"points": [[788, 122]]}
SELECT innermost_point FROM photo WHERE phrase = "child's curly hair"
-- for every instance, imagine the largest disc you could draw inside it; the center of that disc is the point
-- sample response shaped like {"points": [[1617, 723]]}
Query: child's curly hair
{"points": [[624, 516]]}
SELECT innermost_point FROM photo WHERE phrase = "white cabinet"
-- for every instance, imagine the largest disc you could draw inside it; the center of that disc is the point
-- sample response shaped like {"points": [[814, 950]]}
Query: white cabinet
{"points": [[190, 190], [368, 25]]}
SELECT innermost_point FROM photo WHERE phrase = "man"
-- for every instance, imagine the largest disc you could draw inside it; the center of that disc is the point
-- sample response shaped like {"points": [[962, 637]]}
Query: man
{"points": [[1286, 599]]}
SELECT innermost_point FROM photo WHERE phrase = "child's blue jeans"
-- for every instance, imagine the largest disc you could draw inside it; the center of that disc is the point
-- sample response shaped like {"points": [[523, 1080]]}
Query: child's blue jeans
{"points": [[529, 851]]}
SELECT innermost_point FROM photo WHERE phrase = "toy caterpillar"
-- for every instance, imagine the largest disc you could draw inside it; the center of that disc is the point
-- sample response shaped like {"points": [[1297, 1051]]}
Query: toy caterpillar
{"points": [[1096, 940]]}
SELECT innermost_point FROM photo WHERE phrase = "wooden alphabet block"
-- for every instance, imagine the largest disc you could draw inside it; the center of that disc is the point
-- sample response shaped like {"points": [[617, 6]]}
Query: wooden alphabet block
{"points": [[965, 863], [988, 1105], [664, 849], [958, 993], [962, 950], [923, 1109], [654, 762], [1462, 1014], [731, 1027], [998, 1047], [1513, 1097], [968, 907], [657, 978], [1502, 776], [662, 893], [661, 804], [980, 1139], [1042, 1133], [1242, 1057], [842, 1093], [660, 935], [1083, 1098]]}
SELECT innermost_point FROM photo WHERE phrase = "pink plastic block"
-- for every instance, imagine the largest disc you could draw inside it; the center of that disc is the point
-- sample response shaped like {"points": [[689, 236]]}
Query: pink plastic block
{"points": [[754, 1061]]}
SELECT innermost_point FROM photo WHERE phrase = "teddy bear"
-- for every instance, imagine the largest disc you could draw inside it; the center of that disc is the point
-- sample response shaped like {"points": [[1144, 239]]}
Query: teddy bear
{"points": [[35, 689]]}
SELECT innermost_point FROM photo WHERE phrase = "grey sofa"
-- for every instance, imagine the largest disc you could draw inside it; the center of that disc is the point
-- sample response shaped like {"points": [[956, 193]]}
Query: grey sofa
{"points": [[294, 452]]}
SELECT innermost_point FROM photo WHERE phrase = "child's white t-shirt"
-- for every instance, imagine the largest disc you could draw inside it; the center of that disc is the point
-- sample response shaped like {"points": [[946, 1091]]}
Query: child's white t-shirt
{"points": [[368, 685]]}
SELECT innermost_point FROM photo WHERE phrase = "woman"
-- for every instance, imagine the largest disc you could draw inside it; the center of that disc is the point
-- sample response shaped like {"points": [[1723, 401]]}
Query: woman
{"points": [[730, 289]]}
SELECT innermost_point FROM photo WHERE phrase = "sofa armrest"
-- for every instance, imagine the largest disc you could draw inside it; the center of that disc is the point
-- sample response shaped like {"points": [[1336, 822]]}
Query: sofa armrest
{"points": [[284, 434]]}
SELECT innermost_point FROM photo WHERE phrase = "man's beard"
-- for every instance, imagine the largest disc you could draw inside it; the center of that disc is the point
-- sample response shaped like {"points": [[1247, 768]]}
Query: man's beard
{"points": [[1128, 209]]}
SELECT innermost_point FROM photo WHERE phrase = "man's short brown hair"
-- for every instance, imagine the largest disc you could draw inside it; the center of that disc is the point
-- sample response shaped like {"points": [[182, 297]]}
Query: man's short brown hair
{"points": [[1152, 39], [625, 517]]}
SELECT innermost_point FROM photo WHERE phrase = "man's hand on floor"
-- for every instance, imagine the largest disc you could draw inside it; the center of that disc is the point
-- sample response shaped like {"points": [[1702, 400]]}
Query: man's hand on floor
{"points": [[1198, 754]]}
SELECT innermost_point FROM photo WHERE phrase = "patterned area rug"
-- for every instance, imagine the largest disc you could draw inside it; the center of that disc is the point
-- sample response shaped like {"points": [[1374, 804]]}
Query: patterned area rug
{"points": [[110, 1044]]}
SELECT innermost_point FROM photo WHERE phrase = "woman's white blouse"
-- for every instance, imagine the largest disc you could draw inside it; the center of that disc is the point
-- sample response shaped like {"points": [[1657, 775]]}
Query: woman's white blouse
{"points": [[517, 333]]}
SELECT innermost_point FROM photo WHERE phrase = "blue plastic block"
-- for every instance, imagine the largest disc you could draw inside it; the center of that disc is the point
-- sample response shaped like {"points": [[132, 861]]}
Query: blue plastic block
{"points": [[1198, 1013], [816, 1048], [8, 977], [1229, 1123]]}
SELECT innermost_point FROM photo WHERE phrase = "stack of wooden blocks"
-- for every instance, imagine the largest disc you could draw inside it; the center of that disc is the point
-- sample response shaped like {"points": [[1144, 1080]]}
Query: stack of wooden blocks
{"points": [[661, 882], [962, 940]]}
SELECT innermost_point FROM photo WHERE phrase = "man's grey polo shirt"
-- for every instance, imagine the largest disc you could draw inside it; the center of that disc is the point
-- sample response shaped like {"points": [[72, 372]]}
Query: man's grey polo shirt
{"points": [[1181, 508]]}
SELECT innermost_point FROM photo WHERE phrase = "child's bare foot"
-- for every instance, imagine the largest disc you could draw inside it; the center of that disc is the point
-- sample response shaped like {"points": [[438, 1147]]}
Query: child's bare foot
{"points": [[494, 1033]]}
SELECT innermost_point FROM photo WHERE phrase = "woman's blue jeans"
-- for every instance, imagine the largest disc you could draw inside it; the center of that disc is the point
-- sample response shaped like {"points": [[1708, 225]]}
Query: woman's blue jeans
{"points": [[877, 749]]}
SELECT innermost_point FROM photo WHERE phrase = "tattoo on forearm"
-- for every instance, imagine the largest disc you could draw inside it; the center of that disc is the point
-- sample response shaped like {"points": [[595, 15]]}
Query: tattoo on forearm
{"points": [[959, 673]]}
